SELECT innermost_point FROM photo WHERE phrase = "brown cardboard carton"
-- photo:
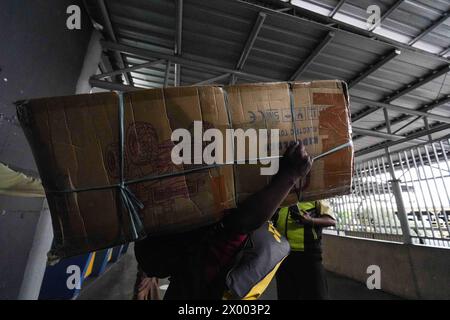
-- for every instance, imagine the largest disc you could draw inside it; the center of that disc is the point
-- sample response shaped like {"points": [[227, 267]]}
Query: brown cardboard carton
{"points": [[75, 141]]}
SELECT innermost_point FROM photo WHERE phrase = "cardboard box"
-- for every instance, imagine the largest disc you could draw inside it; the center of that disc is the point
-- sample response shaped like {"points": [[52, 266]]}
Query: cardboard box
{"points": [[75, 141]]}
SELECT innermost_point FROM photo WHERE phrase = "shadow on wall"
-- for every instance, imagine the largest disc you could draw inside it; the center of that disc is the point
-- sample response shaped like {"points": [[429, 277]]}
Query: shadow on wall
{"points": [[39, 57]]}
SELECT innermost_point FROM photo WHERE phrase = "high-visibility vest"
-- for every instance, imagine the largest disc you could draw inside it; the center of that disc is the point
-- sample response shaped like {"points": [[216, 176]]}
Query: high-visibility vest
{"points": [[293, 231]]}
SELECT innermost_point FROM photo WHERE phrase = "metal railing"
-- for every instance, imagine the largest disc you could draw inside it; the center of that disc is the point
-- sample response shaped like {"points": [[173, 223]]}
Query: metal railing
{"points": [[401, 196]]}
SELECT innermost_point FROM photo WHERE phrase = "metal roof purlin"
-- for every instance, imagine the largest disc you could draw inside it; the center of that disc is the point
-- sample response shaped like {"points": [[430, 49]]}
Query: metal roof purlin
{"points": [[374, 68], [424, 108], [317, 50], [401, 109], [409, 137], [384, 135], [110, 32], [136, 67], [111, 85], [249, 44], [251, 40], [405, 90], [429, 29], [336, 9], [443, 53], [178, 40]]}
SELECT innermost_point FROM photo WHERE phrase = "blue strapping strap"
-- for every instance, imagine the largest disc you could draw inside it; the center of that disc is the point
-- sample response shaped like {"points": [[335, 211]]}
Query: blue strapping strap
{"points": [[297, 188], [129, 200]]}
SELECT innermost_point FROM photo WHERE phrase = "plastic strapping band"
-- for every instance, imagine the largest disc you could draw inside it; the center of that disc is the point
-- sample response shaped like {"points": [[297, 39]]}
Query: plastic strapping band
{"points": [[297, 188], [230, 123], [292, 102], [129, 200]]}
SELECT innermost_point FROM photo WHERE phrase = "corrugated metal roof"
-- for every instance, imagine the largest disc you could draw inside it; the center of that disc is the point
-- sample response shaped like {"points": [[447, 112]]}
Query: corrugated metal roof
{"points": [[404, 23], [215, 32]]}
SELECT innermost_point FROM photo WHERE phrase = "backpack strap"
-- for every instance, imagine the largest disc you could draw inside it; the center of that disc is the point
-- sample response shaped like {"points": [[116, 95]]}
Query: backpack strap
{"points": [[275, 217], [262, 255]]}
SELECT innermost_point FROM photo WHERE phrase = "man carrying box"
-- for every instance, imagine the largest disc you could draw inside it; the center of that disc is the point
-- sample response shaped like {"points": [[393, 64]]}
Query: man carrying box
{"points": [[199, 263]]}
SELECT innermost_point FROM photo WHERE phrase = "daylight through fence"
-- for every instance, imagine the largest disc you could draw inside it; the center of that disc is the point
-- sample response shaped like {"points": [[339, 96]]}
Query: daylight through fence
{"points": [[402, 196]]}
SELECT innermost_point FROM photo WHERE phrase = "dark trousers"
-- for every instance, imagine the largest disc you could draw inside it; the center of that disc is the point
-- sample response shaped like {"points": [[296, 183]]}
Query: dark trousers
{"points": [[302, 277]]}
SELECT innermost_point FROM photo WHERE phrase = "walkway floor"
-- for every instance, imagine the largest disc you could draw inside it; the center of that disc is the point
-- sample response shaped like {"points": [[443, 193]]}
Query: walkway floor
{"points": [[118, 281]]}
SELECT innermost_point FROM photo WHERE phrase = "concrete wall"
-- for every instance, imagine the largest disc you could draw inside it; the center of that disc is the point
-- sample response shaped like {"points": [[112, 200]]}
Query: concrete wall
{"points": [[39, 57], [413, 272]]}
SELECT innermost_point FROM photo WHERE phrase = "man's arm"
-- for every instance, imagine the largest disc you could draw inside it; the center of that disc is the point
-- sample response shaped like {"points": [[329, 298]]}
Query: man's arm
{"points": [[322, 222], [326, 218], [260, 207]]}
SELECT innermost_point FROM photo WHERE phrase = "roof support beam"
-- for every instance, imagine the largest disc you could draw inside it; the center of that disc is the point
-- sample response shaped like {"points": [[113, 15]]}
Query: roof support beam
{"points": [[403, 117], [427, 126], [404, 110], [251, 40], [425, 108], [212, 80], [317, 50], [433, 26], [337, 8], [405, 90], [178, 40], [383, 135], [179, 26], [110, 32], [435, 104], [443, 53], [388, 13], [148, 54], [166, 74], [416, 84], [249, 44], [138, 66], [409, 137], [112, 85], [407, 124], [374, 68]]}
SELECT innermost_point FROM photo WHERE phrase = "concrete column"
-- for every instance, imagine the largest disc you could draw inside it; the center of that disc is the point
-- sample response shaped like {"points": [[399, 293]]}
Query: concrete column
{"points": [[90, 64], [401, 211], [37, 258]]}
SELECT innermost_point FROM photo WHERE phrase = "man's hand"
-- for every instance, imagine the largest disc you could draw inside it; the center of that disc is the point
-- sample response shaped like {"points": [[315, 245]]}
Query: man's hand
{"points": [[260, 206], [306, 219], [296, 163]]}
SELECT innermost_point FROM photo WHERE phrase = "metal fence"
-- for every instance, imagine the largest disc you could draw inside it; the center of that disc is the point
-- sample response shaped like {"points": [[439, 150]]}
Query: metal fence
{"points": [[402, 196]]}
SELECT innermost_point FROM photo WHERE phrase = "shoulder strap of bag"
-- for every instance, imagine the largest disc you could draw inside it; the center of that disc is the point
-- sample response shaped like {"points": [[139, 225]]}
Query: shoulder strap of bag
{"points": [[262, 255]]}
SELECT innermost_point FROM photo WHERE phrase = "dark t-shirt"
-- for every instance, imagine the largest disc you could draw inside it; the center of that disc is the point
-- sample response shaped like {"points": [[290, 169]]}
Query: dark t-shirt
{"points": [[195, 261]]}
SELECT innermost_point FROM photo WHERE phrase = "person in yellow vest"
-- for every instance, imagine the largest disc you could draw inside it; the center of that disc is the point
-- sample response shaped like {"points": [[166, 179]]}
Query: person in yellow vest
{"points": [[301, 275]]}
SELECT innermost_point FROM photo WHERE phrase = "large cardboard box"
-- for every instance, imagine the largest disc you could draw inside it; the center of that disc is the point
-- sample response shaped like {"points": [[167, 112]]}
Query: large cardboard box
{"points": [[76, 144]]}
